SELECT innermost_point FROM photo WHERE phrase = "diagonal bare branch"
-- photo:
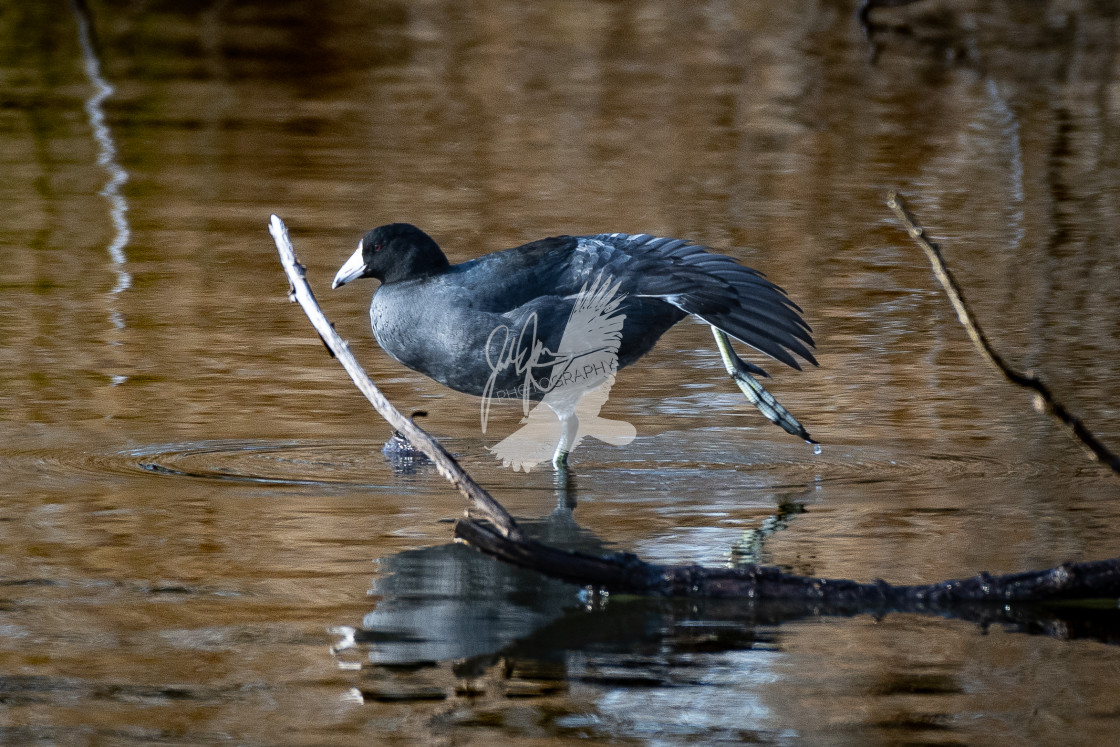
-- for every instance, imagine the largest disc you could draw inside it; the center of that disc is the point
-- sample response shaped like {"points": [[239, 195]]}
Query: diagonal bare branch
{"points": [[300, 292], [1049, 403]]}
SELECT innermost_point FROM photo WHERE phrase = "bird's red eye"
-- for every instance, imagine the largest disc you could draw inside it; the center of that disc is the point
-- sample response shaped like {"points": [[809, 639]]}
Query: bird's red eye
{"points": [[377, 247]]}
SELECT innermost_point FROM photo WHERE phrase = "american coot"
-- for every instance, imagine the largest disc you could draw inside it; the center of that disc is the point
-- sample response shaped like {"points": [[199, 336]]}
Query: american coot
{"points": [[556, 318]]}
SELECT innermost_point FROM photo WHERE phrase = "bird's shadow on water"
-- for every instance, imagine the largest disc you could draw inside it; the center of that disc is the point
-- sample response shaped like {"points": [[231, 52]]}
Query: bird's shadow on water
{"points": [[450, 606]]}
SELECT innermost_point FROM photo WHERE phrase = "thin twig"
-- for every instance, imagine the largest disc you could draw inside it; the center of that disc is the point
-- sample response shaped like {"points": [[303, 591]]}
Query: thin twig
{"points": [[987, 352], [300, 292]]}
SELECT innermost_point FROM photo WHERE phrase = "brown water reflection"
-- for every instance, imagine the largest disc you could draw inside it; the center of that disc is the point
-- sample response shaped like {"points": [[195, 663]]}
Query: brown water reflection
{"points": [[193, 493]]}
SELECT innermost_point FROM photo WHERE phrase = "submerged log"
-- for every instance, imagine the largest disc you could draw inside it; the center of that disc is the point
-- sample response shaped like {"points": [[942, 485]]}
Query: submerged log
{"points": [[497, 534], [627, 573]]}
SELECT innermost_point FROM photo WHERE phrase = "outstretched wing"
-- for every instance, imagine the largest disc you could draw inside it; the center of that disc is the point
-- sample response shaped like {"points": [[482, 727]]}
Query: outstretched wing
{"points": [[716, 288]]}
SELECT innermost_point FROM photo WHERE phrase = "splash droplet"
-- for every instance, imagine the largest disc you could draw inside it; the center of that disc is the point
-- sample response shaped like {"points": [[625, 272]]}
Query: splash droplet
{"points": [[817, 449]]}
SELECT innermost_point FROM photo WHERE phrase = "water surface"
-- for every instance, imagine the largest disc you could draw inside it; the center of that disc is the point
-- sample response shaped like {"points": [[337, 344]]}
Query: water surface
{"points": [[200, 539]]}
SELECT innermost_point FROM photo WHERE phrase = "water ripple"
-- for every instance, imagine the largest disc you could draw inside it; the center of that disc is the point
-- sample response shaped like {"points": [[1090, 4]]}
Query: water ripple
{"points": [[266, 462], [670, 462], [296, 463]]}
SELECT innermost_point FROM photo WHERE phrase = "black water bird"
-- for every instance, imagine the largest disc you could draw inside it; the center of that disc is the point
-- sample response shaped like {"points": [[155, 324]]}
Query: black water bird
{"points": [[502, 324]]}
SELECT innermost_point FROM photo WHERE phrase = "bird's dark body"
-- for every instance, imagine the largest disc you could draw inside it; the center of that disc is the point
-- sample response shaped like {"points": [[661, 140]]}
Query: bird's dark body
{"points": [[444, 320]]}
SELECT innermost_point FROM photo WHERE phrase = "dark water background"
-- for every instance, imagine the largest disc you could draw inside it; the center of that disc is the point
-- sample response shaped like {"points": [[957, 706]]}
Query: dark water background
{"points": [[199, 538]]}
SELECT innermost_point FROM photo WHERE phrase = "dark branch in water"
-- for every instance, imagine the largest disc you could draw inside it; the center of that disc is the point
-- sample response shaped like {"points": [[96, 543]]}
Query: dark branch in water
{"points": [[500, 537], [629, 574], [988, 353]]}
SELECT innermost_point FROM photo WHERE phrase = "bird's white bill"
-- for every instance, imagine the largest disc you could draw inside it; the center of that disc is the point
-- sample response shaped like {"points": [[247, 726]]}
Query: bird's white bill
{"points": [[353, 269]]}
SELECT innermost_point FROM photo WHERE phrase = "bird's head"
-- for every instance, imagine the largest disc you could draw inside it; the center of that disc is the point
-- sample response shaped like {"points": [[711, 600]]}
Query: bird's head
{"points": [[397, 251]]}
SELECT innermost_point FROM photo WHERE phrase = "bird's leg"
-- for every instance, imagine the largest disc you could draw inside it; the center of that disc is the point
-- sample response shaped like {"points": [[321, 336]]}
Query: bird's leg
{"points": [[564, 485], [569, 424], [759, 397]]}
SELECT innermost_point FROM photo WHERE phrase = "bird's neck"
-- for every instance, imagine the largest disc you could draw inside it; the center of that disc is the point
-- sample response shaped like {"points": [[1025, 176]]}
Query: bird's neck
{"points": [[422, 261]]}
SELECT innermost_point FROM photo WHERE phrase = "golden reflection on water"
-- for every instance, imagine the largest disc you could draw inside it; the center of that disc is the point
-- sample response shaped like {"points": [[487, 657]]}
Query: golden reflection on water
{"points": [[769, 131]]}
